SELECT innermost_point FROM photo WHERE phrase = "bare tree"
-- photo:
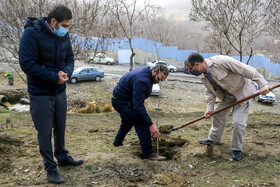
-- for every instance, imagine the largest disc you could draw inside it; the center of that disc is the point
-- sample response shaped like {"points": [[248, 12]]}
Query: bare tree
{"points": [[218, 43], [12, 18], [274, 18], [93, 25], [273, 47], [239, 21], [157, 28], [127, 12], [90, 19]]}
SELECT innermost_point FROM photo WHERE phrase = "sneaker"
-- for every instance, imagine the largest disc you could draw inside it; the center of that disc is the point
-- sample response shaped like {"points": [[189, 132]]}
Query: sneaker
{"points": [[155, 157], [208, 142], [54, 177], [69, 161], [236, 155]]}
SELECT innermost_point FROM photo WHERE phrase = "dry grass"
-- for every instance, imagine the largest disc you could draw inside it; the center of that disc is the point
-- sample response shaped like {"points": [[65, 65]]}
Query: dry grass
{"points": [[93, 107]]}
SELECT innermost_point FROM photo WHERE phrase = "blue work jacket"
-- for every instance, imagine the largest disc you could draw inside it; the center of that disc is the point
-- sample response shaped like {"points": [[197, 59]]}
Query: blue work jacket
{"points": [[136, 86]]}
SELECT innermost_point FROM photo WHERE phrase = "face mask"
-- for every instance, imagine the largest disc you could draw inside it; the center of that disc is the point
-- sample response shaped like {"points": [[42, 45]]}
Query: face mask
{"points": [[196, 73], [60, 32]]}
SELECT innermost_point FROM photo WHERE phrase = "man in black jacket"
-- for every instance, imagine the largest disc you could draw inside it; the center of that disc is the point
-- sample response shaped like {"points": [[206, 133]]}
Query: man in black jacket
{"points": [[128, 100], [46, 56]]}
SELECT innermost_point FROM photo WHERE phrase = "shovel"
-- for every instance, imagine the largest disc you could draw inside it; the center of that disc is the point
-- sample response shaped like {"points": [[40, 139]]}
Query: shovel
{"points": [[222, 109]]}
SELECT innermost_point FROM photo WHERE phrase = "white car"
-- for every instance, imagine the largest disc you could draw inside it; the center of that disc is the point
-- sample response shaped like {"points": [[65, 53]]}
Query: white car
{"points": [[155, 89], [268, 98], [171, 68], [100, 59]]}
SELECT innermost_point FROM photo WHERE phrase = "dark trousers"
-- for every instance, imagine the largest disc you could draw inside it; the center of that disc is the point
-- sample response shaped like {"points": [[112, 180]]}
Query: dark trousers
{"points": [[129, 119], [49, 112]]}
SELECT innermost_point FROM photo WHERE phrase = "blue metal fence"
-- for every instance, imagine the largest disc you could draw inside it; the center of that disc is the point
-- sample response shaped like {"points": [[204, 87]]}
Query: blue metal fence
{"points": [[181, 55]]}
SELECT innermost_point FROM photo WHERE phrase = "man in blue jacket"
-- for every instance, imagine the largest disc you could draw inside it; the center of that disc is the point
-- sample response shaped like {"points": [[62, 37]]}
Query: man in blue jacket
{"points": [[46, 56], [128, 100]]}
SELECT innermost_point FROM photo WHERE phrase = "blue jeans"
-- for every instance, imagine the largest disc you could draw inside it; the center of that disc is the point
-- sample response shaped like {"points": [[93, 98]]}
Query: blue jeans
{"points": [[128, 116], [49, 112]]}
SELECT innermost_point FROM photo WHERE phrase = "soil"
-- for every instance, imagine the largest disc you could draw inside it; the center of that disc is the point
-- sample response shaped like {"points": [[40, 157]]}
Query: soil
{"points": [[90, 136]]}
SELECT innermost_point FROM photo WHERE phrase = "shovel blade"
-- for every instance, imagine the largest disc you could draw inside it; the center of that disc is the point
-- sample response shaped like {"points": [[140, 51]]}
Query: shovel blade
{"points": [[174, 128]]}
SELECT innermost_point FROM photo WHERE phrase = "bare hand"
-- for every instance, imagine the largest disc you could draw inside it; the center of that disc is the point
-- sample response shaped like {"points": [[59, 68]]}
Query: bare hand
{"points": [[62, 77], [154, 130], [207, 115], [264, 90]]}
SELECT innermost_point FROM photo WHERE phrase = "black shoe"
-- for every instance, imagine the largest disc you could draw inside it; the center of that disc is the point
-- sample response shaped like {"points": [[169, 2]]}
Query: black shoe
{"points": [[118, 144], [236, 155], [208, 142], [156, 157], [54, 177], [69, 161]]}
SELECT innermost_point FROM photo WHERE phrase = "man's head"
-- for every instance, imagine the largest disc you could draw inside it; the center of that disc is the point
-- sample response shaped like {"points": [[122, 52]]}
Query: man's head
{"points": [[159, 73], [60, 16], [193, 62]]}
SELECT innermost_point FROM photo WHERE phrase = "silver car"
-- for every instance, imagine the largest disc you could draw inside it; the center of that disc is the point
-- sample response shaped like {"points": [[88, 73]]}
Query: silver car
{"points": [[86, 73], [155, 89], [170, 68], [268, 98]]}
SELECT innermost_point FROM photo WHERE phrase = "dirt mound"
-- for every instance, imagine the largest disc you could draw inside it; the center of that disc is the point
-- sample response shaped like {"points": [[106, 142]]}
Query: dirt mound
{"points": [[9, 148], [14, 95], [170, 179], [165, 129], [76, 103]]}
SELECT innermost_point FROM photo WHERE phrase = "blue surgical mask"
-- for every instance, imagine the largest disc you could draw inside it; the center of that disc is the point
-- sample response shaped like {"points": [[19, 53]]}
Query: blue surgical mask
{"points": [[60, 32], [196, 73]]}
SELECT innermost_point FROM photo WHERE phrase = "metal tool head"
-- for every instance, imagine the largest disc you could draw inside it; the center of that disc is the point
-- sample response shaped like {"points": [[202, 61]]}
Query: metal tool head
{"points": [[174, 128]]}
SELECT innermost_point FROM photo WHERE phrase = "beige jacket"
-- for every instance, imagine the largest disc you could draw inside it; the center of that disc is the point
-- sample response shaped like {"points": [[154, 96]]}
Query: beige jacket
{"points": [[233, 76]]}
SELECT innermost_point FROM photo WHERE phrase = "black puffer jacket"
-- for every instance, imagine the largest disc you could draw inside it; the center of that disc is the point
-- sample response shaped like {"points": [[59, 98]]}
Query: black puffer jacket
{"points": [[42, 55]]}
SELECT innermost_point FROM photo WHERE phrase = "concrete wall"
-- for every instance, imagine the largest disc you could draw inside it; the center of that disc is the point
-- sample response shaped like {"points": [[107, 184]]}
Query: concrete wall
{"points": [[141, 57]]}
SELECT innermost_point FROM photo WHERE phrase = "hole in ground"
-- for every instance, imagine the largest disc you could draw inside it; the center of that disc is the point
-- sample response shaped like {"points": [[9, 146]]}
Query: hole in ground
{"points": [[169, 146]]}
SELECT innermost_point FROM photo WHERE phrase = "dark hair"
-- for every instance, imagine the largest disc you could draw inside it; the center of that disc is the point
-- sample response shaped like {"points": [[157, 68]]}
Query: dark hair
{"points": [[194, 58], [161, 68], [60, 13]]}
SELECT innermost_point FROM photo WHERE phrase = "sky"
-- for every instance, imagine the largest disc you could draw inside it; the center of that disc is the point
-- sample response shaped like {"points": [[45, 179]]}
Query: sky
{"points": [[177, 9]]}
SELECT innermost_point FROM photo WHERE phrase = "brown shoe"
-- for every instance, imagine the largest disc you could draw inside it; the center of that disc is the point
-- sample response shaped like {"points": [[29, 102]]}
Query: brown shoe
{"points": [[155, 157]]}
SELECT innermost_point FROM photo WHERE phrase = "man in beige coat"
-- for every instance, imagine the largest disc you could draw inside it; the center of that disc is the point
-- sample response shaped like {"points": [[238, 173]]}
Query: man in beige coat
{"points": [[226, 80]]}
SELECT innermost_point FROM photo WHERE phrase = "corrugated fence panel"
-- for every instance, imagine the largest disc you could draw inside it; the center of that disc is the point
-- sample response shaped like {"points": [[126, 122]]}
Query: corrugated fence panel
{"points": [[261, 61], [168, 52], [183, 54], [146, 45], [174, 52]]}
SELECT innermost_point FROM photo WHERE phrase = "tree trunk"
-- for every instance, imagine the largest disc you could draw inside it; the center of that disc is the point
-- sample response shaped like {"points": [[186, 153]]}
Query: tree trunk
{"points": [[132, 54], [131, 59], [251, 54]]}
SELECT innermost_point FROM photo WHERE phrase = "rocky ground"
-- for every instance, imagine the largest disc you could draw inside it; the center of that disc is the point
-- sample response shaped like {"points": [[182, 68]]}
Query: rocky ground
{"points": [[90, 137]]}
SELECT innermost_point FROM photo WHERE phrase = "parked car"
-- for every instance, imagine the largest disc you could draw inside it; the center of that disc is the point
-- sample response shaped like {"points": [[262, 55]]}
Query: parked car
{"points": [[171, 68], [86, 73], [268, 98], [155, 89], [100, 58], [186, 70]]}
